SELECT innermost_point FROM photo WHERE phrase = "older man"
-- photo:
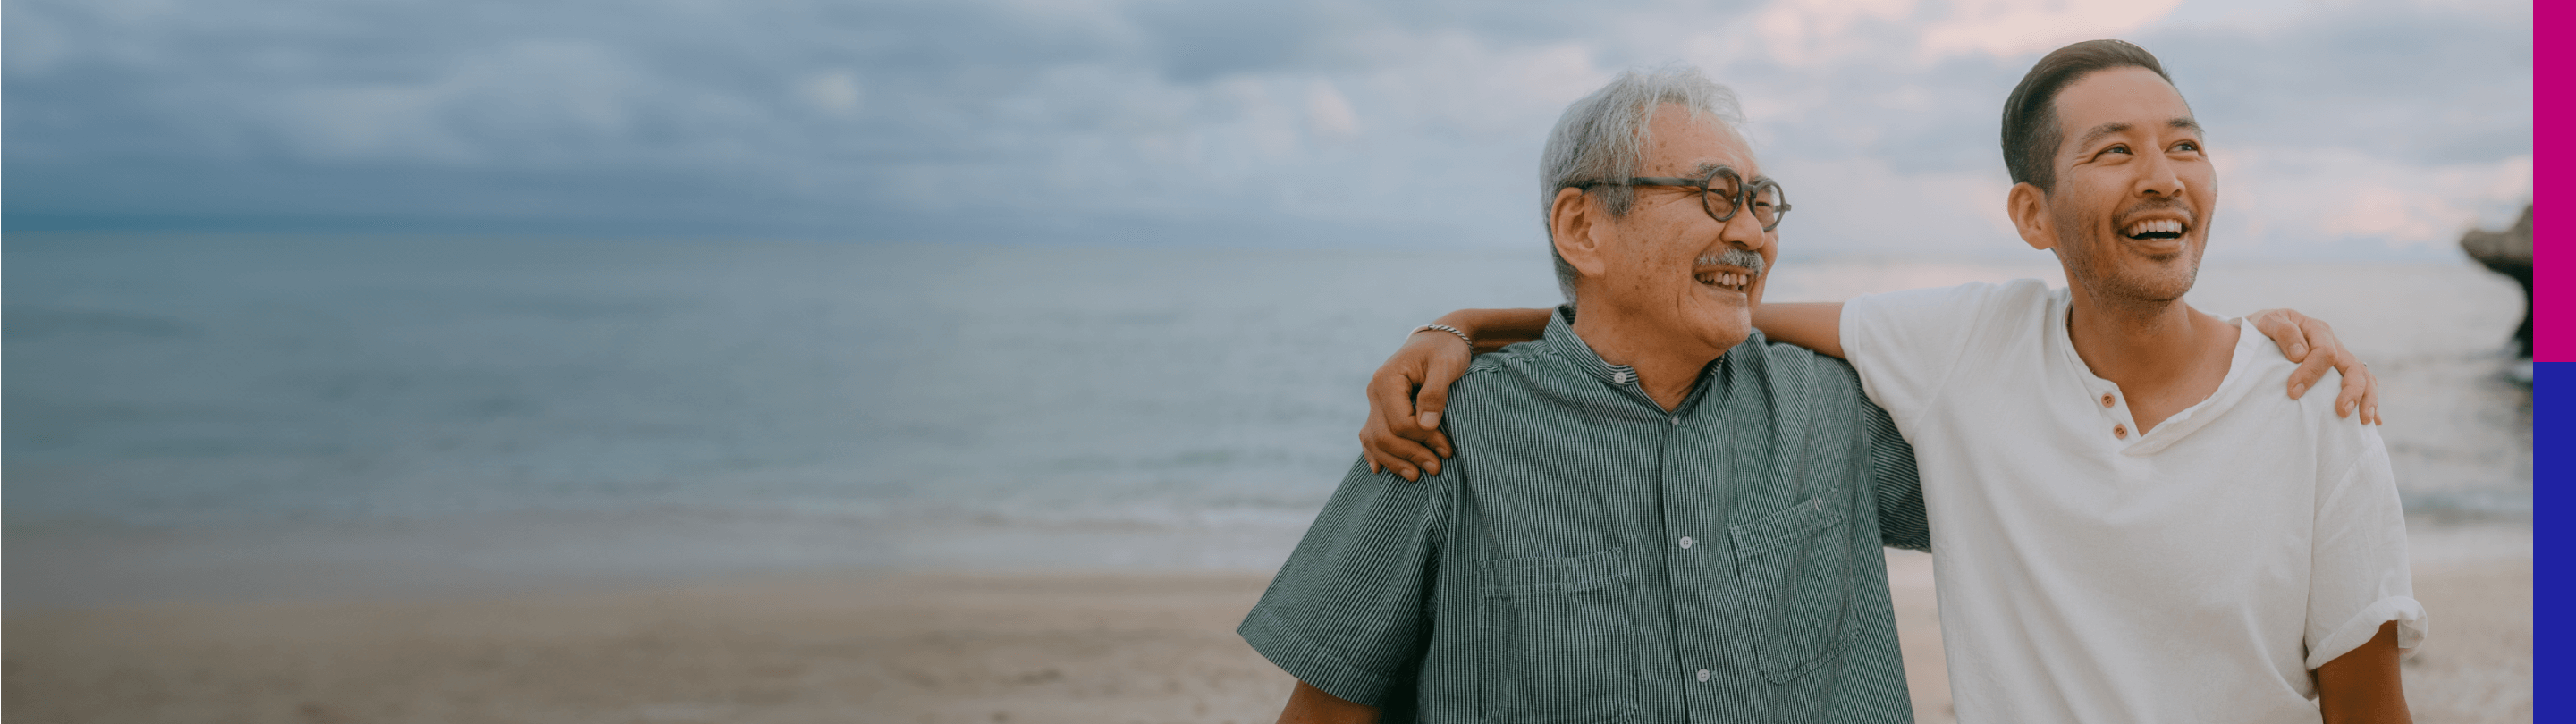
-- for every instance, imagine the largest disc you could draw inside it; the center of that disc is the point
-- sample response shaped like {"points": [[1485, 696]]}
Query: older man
{"points": [[2128, 529], [1652, 514]]}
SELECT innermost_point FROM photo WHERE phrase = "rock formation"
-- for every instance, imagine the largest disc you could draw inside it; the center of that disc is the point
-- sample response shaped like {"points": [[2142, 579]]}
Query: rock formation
{"points": [[2508, 252]]}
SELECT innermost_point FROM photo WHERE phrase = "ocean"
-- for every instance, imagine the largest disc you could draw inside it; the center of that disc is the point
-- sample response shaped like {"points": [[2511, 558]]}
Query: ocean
{"points": [[277, 416]]}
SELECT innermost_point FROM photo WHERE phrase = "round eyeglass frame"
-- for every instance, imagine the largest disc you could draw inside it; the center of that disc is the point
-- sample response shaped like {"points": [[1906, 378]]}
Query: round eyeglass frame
{"points": [[1735, 203]]}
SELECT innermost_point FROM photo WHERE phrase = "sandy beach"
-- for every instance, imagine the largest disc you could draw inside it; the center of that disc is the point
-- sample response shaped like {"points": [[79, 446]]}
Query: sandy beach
{"points": [[951, 647]]}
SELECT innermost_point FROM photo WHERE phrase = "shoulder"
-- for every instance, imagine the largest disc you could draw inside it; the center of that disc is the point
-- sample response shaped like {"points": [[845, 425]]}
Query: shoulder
{"points": [[1507, 382], [2265, 380], [1923, 327], [1504, 367], [1966, 300], [1784, 361], [1788, 369]]}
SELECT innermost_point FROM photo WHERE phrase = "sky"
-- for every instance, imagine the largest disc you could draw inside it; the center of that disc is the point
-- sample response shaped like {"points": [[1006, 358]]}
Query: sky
{"points": [[2359, 129]]}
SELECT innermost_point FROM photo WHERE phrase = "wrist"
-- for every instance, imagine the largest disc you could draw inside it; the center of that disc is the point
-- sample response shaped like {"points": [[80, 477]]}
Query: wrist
{"points": [[1447, 329], [1463, 320]]}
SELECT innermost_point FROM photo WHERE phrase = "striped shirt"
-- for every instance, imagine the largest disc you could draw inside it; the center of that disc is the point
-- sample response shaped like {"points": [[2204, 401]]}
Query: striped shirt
{"points": [[1586, 556]]}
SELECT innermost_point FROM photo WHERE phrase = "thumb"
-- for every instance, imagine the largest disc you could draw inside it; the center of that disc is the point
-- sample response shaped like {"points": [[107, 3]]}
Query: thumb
{"points": [[1434, 397]]}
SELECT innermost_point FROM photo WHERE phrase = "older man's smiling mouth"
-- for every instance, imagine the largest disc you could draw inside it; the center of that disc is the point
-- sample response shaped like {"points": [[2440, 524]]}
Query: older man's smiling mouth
{"points": [[1732, 270], [1729, 280]]}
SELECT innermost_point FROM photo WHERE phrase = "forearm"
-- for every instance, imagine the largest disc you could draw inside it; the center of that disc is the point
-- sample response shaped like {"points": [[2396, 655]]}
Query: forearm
{"points": [[1310, 705], [2363, 685], [1495, 329], [1814, 325]]}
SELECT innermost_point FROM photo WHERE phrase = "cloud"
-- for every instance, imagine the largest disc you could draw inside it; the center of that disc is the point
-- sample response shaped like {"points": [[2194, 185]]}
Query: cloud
{"points": [[2015, 27], [1170, 121], [834, 91]]}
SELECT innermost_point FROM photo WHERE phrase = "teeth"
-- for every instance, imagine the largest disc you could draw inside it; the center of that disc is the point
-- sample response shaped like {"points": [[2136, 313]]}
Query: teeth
{"points": [[1729, 280], [2167, 226]]}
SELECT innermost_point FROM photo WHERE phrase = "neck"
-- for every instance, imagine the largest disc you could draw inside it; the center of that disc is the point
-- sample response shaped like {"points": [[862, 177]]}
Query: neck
{"points": [[2130, 335], [2165, 356], [1668, 364]]}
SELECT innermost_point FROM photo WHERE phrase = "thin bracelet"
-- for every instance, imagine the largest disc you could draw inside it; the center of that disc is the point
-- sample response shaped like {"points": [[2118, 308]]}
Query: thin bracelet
{"points": [[1462, 336]]}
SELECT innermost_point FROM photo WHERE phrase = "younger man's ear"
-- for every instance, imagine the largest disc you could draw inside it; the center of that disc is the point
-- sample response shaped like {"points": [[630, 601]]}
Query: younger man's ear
{"points": [[1576, 225], [2028, 207]]}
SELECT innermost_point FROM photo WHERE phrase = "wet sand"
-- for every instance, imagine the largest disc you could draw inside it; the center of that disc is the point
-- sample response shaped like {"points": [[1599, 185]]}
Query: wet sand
{"points": [[953, 647]]}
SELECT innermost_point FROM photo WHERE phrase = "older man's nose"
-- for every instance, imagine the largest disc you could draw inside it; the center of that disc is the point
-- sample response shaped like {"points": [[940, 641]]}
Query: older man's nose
{"points": [[1744, 232]]}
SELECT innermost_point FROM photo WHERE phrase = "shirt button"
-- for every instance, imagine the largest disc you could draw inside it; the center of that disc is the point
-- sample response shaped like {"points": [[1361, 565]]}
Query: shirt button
{"points": [[1703, 674], [2120, 431], [1677, 419], [2106, 399], [1686, 541]]}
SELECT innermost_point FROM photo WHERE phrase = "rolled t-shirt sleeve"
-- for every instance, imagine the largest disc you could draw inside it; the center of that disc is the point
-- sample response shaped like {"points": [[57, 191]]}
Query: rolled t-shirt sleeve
{"points": [[2358, 577], [1349, 611], [1907, 344]]}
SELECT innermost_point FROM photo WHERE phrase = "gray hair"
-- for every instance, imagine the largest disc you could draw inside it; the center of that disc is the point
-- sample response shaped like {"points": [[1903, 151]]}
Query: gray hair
{"points": [[1602, 138]]}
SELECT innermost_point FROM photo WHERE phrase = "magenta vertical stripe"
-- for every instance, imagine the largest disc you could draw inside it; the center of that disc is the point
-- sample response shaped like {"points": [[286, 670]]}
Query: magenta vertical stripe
{"points": [[2552, 65]]}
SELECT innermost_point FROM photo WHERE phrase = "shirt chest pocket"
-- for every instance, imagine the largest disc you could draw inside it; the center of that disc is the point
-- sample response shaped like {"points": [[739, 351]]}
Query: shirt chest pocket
{"points": [[1797, 571], [1555, 639]]}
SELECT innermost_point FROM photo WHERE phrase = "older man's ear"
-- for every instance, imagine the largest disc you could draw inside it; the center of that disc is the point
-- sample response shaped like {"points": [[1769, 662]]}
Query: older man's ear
{"points": [[1578, 225]]}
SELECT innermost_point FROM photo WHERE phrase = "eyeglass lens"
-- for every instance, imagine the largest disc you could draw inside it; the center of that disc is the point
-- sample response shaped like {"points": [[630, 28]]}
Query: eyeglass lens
{"points": [[1725, 190]]}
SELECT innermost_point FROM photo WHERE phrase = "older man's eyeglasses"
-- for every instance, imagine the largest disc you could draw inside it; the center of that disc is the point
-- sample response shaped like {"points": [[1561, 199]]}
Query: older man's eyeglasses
{"points": [[1722, 193]]}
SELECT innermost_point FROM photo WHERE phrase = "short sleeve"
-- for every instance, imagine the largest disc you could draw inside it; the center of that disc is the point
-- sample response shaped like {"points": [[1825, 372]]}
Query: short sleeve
{"points": [[2358, 577], [1901, 521], [1907, 344], [1899, 486], [1349, 612]]}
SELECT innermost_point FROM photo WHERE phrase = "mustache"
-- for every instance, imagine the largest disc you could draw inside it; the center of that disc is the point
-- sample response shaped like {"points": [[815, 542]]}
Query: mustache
{"points": [[1737, 257]]}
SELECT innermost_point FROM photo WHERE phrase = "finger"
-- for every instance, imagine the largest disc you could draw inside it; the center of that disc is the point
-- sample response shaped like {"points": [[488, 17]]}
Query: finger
{"points": [[2284, 327], [1406, 457], [2348, 401], [2370, 398], [2357, 381], [1378, 460], [1390, 397], [1442, 370], [2305, 376], [1412, 452], [2363, 387], [1434, 397], [2308, 372]]}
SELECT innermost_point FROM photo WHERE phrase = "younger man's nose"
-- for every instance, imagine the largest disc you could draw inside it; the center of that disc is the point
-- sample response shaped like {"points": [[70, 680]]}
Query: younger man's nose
{"points": [[2158, 178]]}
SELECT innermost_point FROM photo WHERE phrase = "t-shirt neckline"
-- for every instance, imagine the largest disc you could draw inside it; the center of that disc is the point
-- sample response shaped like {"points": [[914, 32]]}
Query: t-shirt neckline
{"points": [[2231, 388]]}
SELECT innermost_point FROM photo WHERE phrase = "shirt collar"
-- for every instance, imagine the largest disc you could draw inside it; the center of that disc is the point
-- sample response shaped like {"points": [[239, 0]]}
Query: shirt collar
{"points": [[1565, 344]]}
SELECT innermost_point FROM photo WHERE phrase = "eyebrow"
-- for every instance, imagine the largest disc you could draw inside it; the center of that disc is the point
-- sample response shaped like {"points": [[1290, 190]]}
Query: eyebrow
{"points": [[2116, 127]]}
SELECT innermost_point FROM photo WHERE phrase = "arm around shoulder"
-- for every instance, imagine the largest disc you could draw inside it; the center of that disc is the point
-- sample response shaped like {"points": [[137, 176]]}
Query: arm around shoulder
{"points": [[1816, 326]]}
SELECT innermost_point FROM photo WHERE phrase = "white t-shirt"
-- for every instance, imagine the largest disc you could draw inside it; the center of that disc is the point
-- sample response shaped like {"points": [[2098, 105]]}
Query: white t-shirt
{"points": [[2088, 573]]}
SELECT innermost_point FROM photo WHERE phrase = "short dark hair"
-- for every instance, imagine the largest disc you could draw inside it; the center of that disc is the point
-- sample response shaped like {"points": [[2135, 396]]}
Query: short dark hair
{"points": [[2030, 115]]}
